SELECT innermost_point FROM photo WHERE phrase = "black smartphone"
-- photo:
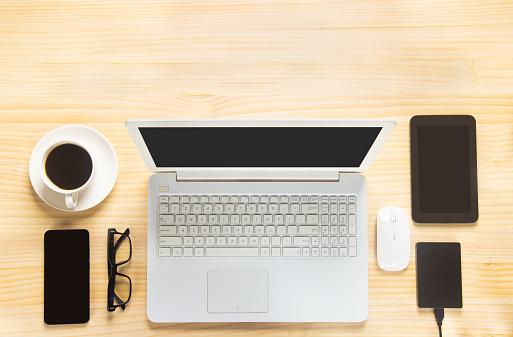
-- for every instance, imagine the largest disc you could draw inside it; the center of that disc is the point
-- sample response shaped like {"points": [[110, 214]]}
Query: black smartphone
{"points": [[439, 275], [66, 276], [444, 169]]}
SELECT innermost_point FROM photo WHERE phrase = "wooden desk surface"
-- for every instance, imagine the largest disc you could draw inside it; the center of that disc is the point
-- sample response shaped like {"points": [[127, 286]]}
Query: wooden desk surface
{"points": [[99, 63]]}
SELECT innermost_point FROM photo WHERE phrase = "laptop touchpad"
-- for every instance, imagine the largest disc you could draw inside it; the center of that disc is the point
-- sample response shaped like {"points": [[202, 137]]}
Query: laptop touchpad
{"points": [[237, 291]]}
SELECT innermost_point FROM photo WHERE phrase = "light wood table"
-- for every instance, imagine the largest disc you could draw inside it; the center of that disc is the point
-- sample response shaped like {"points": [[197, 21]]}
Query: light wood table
{"points": [[99, 63]]}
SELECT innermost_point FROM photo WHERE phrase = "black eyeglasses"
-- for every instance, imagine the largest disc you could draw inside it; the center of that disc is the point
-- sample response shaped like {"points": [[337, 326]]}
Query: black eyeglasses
{"points": [[119, 252]]}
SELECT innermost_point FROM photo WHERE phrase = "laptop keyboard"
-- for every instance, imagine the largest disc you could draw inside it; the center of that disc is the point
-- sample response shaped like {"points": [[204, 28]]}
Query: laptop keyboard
{"points": [[307, 226]]}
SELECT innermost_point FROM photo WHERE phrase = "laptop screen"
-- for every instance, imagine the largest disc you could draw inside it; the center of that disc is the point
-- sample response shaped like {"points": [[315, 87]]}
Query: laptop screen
{"points": [[259, 146]]}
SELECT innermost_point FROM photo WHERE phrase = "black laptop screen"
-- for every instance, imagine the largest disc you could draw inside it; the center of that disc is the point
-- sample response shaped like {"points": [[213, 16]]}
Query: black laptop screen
{"points": [[259, 146]]}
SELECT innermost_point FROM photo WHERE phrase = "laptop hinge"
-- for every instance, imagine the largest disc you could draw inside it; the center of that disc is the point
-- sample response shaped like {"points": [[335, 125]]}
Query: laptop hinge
{"points": [[257, 176]]}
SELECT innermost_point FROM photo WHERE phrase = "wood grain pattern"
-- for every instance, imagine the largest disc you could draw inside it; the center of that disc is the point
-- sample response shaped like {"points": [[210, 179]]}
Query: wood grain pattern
{"points": [[99, 63]]}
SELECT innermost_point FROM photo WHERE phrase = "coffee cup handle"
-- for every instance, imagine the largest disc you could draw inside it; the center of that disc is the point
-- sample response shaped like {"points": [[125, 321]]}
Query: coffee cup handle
{"points": [[71, 199]]}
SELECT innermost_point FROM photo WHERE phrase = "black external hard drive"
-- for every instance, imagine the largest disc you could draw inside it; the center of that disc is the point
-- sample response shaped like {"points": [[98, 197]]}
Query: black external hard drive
{"points": [[439, 275]]}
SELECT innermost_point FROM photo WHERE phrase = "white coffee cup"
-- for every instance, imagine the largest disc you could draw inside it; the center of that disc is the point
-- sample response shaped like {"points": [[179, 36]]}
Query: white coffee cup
{"points": [[67, 167]]}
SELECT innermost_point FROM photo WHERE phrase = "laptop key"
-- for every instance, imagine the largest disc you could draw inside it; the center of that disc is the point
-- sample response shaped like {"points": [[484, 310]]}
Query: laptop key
{"points": [[196, 208], [352, 225], [276, 251], [352, 208], [264, 251], [251, 208], [312, 219], [170, 241], [343, 251], [229, 208], [166, 219], [221, 241], [175, 208], [164, 252], [309, 208], [352, 246], [234, 220], [343, 230], [334, 252], [307, 230], [291, 252], [177, 252], [240, 208], [210, 241], [294, 208], [231, 252], [306, 251], [188, 241], [301, 241], [207, 208], [200, 251], [324, 252], [167, 230], [164, 208], [315, 251], [187, 252]]}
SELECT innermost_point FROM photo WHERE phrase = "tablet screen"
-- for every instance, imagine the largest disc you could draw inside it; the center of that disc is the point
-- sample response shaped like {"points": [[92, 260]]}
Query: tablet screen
{"points": [[444, 168]]}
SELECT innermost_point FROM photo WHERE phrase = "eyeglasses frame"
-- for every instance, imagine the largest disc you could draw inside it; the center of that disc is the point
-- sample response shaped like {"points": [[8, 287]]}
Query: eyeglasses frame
{"points": [[113, 268]]}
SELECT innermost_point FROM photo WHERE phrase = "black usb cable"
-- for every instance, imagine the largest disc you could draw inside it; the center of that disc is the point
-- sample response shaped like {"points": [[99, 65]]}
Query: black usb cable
{"points": [[439, 315]]}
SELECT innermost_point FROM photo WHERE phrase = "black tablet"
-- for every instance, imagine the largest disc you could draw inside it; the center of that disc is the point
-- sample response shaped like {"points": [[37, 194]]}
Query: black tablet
{"points": [[443, 169], [439, 275]]}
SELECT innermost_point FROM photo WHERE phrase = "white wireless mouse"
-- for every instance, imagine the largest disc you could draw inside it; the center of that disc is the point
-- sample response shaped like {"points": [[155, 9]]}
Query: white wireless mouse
{"points": [[393, 239]]}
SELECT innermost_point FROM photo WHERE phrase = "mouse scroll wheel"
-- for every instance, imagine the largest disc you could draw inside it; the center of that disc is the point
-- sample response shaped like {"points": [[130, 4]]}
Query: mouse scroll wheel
{"points": [[392, 217]]}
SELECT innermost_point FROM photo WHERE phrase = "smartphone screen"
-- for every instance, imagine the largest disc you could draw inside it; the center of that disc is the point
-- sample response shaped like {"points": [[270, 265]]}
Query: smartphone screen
{"points": [[66, 276], [444, 169]]}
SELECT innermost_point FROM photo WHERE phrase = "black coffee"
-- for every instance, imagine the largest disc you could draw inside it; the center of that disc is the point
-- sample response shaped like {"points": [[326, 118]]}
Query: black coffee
{"points": [[68, 166]]}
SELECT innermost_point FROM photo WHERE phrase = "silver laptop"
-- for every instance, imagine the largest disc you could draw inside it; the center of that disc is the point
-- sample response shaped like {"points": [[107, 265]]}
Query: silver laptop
{"points": [[258, 220]]}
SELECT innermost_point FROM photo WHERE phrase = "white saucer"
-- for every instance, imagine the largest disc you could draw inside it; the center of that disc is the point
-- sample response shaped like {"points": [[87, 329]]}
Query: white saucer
{"points": [[103, 179]]}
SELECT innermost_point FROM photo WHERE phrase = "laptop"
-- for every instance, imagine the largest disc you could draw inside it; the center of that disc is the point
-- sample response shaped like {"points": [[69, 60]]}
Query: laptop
{"points": [[258, 220]]}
